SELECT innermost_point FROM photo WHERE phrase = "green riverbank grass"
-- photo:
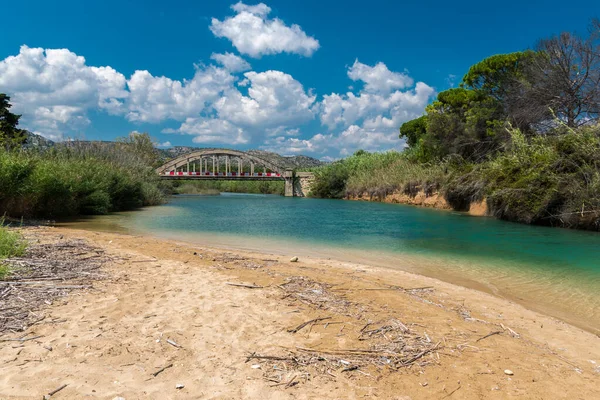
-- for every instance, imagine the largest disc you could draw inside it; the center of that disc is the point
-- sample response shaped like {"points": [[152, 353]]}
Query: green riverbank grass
{"points": [[544, 180], [11, 245], [76, 179]]}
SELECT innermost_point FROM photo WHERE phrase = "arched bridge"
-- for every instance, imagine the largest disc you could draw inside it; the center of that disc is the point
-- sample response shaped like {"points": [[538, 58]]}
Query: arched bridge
{"points": [[225, 164]]}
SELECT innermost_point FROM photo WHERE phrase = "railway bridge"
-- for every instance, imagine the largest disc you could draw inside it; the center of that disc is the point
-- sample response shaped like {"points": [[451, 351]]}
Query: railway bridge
{"points": [[226, 164]]}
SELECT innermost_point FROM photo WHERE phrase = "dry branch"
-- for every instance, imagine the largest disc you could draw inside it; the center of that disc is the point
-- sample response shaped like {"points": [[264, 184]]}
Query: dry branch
{"points": [[488, 335], [304, 324], [155, 374], [52, 393], [244, 285], [47, 270]]}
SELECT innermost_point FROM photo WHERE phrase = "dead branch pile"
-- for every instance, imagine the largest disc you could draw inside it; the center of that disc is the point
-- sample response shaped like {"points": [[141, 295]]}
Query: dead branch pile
{"points": [[391, 345], [47, 270], [320, 296]]}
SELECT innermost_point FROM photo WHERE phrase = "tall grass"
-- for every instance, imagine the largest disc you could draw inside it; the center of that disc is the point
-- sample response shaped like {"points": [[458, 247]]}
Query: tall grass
{"points": [[375, 174], [11, 245], [215, 187], [553, 180], [75, 179]]}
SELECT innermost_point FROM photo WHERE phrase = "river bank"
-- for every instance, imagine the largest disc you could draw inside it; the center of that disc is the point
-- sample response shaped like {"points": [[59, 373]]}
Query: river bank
{"points": [[421, 199], [171, 304]]}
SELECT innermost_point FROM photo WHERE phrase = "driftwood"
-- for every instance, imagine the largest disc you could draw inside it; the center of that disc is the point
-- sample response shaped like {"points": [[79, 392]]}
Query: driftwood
{"points": [[21, 339], [46, 271]]}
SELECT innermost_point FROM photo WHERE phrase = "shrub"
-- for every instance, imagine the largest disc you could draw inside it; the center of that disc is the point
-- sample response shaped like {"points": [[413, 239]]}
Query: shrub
{"points": [[76, 178]]}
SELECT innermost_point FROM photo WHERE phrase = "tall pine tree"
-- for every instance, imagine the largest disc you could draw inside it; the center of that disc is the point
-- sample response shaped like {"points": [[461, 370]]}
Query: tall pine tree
{"points": [[10, 135]]}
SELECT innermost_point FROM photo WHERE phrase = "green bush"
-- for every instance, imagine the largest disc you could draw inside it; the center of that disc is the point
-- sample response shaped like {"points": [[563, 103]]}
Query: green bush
{"points": [[215, 187], [375, 174], [76, 179], [11, 245], [547, 180]]}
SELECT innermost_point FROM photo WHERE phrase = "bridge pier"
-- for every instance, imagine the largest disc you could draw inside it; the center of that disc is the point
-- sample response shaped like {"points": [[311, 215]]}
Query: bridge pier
{"points": [[288, 175]]}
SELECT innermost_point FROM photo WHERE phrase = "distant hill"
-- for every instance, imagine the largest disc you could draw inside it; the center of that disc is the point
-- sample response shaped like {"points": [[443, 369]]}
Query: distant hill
{"points": [[35, 141]]}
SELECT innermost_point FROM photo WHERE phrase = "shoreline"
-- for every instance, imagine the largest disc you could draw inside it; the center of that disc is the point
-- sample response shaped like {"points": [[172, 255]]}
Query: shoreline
{"points": [[421, 199], [169, 289], [410, 264]]}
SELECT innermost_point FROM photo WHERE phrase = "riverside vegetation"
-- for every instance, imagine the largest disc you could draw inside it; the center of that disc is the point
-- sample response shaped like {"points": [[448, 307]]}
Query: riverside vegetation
{"points": [[11, 245], [522, 132], [76, 178]]}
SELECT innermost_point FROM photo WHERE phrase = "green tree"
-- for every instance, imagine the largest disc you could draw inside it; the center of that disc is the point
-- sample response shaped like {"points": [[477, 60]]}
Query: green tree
{"points": [[414, 130], [497, 76], [464, 122], [142, 145], [508, 79], [10, 135]]}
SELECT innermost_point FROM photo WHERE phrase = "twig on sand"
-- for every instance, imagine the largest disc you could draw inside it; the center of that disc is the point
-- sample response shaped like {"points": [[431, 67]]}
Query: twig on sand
{"points": [[488, 335], [244, 285], [452, 392], [254, 356], [21, 339], [52, 393], [291, 382], [304, 324], [48, 269], [155, 374]]}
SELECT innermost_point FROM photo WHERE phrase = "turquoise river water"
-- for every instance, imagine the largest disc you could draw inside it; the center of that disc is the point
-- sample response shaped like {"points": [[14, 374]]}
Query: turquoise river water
{"points": [[555, 271]]}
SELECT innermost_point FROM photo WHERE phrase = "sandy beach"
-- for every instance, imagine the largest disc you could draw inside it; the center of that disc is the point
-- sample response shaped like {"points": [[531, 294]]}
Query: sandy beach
{"points": [[230, 324]]}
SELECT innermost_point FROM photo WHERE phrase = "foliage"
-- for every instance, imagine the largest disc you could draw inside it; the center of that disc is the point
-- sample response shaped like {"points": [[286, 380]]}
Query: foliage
{"points": [[414, 130], [495, 76], [11, 245], [552, 180], [460, 122], [143, 146], [74, 179], [10, 135], [375, 174], [216, 187]]}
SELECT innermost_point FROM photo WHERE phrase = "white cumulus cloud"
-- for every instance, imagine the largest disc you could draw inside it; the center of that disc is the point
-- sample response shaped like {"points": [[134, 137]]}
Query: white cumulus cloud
{"points": [[378, 78], [231, 62], [211, 130], [274, 99], [368, 120], [164, 144], [155, 99], [251, 32], [54, 89]]}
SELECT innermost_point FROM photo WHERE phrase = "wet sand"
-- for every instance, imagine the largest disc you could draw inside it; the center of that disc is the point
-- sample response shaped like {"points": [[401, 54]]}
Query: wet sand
{"points": [[109, 340]]}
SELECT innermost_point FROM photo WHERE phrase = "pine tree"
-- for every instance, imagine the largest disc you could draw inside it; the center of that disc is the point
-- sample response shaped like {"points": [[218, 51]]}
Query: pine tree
{"points": [[10, 135]]}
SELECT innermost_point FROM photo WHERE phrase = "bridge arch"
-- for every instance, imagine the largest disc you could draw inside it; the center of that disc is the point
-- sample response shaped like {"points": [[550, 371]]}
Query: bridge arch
{"points": [[185, 159]]}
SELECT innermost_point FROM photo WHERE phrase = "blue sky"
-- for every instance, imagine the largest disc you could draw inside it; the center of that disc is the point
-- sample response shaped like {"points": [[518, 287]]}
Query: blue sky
{"points": [[321, 78]]}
